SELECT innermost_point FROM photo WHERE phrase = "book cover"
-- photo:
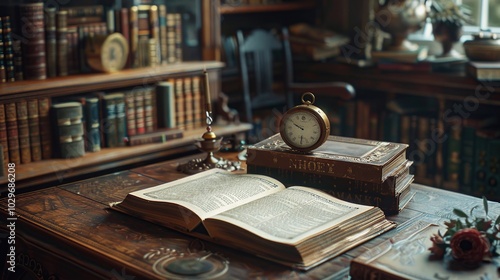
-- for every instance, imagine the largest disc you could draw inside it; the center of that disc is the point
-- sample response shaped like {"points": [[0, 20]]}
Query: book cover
{"points": [[406, 256], [358, 159], [23, 131]]}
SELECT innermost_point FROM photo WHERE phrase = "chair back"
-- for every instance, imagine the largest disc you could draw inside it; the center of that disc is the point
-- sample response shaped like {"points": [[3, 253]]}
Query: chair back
{"points": [[259, 52]]}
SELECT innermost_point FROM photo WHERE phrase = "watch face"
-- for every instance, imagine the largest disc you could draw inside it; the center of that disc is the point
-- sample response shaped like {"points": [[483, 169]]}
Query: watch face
{"points": [[301, 129]]}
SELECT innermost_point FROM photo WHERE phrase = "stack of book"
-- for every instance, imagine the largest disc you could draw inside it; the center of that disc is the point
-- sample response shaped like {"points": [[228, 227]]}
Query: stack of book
{"points": [[356, 170], [315, 43]]}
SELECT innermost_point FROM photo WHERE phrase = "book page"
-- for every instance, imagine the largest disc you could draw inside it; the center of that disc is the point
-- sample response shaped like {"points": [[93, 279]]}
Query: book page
{"points": [[292, 214], [211, 192]]}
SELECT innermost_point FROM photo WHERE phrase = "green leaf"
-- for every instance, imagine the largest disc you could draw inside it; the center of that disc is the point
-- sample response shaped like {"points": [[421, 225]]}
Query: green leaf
{"points": [[485, 203], [497, 221], [459, 213]]}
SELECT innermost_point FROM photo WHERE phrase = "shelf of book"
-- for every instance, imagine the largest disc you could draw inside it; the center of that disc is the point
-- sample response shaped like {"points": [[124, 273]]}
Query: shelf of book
{"points": [[62, 170], [260, 8], [448, 86], [98, 81]]}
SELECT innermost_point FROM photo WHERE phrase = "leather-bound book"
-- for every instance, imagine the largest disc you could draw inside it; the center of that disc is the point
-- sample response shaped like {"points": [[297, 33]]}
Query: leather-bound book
{"points": [[45, 126], [34, 130], [12, 132], [33, 30], [3, 135], [68, 140], [23, 131]]}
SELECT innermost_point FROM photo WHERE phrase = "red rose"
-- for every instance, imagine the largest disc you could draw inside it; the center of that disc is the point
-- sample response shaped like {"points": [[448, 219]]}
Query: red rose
{"points": [[469, 246]]}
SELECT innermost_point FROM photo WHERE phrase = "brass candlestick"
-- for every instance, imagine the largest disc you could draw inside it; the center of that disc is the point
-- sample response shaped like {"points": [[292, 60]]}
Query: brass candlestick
{"points": [[209, 143]]}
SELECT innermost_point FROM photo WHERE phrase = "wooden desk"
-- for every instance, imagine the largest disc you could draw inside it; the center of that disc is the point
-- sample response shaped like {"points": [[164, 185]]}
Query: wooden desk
{"points": [[68, 232]]}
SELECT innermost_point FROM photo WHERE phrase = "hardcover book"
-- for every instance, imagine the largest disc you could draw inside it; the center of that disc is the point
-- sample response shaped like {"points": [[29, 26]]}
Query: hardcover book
{"points": [[297, 226], [484, 71], [350, 158], [406, 256], [391, 195]]}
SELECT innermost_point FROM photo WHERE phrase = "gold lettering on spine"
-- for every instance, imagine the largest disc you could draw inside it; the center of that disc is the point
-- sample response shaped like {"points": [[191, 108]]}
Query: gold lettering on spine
{"points": [[311, 166]]}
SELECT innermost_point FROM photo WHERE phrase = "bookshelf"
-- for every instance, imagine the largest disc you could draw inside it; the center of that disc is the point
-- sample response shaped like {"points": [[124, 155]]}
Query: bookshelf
{"points": [[198, 54]]}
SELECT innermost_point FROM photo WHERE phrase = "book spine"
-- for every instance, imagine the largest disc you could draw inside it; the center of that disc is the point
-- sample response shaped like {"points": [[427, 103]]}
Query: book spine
{"points": [[62, 43], [10, 72], [85, 11], [33, 33], [68, 134], [178, 37], [73, 49], [198, 101], [23, 131], [452, 157], [134, 36], [124, 23], [121, 126], [188, 104], [140, 122], [34, 130], [154, 45], [467, 161], [3, 135], [324, 181], [45, 127], [12, 133], [92, 121], [18, 60], [422, 127], [171, 38], [162, 22], [303, 163], [166, 105], [109, 122], [130, 113], [149, 105], [179, 104], [51, 41], [3, 75]]}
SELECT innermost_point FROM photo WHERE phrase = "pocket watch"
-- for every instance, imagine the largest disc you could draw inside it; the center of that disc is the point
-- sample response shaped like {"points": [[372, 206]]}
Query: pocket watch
{"points": [[106, 53], [305, 127]]}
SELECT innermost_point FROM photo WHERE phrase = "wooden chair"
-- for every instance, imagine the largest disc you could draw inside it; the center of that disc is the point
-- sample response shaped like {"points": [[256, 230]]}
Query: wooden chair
{"points": [[261, 53]]}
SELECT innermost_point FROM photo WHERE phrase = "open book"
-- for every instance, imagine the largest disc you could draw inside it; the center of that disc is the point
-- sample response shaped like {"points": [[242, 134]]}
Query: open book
{"points": [[296, 226]]}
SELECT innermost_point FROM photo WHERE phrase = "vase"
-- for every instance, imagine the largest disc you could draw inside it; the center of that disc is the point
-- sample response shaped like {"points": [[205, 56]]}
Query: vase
{"points": [[399, 18], [447, 34]]}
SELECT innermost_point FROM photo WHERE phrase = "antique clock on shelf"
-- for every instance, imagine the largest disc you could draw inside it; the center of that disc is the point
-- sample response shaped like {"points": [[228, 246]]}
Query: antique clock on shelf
{"points": [[106, 53], [305, 127]]}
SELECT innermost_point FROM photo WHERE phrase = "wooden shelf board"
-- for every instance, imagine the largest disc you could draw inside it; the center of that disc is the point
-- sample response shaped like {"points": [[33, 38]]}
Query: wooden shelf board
{"points": [[53, 170], [228, 9], [95, 81]]}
